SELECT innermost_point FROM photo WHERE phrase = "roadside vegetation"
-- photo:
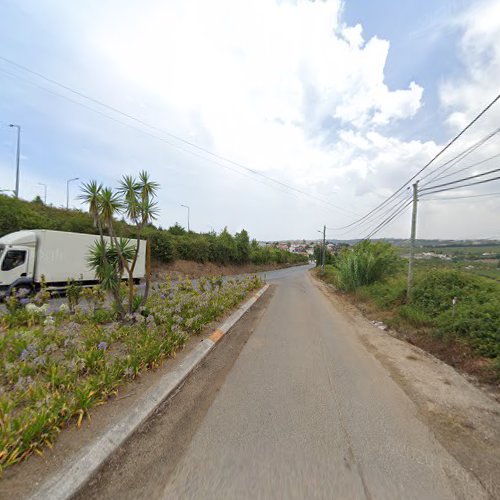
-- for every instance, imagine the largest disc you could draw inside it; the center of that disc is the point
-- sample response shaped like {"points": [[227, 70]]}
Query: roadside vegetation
{"points": [[452, 313], [56, 366], [167, 245]]}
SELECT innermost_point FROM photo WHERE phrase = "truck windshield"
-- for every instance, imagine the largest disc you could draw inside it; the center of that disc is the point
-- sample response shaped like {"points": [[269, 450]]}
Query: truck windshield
{"points": [[13, 259]]}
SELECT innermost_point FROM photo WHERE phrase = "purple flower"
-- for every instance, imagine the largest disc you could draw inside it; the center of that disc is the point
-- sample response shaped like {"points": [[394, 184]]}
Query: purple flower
{"points": [[163, 296], [24, 301], [28, 353], [102, 346]]}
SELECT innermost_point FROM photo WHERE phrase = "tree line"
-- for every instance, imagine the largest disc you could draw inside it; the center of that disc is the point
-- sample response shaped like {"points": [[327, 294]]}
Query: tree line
{"points": [[167, 245]]}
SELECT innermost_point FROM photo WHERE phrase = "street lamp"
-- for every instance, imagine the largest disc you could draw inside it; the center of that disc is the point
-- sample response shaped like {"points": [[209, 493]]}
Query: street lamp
{"points": [[185, 206], [67, 190], [45, 192], [18, 155]]}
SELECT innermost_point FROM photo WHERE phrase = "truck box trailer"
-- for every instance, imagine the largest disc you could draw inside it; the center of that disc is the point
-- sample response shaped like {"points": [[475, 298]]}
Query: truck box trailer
{"points": [[58, 256]]}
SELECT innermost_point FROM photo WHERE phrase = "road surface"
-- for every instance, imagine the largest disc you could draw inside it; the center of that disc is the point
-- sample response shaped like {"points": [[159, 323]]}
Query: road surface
{"points": [[297, 409]]}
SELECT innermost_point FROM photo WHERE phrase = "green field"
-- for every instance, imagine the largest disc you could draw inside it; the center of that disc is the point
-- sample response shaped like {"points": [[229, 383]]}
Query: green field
{"points": [[467, 258]]}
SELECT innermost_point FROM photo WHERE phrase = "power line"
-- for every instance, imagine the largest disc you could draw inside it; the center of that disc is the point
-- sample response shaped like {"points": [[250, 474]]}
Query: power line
{"points": [[465, 185], [461, 197], [458, 158], [390, 219], [369, 221], [461, 180], [472, 165], [180, 139], [445, 148]]}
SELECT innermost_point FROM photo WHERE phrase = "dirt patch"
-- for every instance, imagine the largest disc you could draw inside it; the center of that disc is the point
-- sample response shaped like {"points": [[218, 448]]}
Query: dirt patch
{"points": [[464, 418], [186, 268], [20, 480]]}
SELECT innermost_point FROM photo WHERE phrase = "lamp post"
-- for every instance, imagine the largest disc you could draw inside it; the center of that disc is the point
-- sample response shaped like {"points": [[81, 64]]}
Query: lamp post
{"points": [[185, 206], [44, 191], [18, 155], [67, 190]]}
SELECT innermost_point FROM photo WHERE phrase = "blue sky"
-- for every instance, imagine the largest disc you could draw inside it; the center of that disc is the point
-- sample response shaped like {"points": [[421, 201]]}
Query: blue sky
{"points": [[342, 100]]}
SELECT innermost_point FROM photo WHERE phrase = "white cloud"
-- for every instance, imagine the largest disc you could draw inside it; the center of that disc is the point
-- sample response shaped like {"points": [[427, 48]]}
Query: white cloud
{"points": [[286, 88], [479, 50]]}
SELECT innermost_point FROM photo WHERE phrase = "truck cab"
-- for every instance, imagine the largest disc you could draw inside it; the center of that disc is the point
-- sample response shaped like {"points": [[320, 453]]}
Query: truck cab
{"points": [[17, 261]]}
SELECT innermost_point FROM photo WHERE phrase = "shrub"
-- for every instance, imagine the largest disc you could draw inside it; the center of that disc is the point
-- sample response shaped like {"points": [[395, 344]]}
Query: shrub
{"points": [[434, 291], [477, 323], [162, 246], [365, 263], [166, 246]]}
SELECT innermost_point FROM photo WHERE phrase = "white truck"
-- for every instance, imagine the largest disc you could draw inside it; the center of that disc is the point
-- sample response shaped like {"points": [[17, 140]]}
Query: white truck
{"points": [[58, 256]]}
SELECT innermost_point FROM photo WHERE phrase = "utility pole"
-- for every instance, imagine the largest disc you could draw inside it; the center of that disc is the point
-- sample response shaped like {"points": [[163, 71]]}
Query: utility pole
{"points": [[18, 156], [412, 241], [324, 251]]}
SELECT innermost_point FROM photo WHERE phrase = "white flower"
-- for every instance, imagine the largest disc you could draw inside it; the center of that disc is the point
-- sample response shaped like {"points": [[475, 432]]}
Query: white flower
{"points": [[31, 308], [64, 308], [49, 321]]}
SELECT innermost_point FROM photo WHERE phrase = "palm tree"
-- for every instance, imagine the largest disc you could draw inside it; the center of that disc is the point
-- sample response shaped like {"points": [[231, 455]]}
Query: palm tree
{"points": [[102, 205], [91, 193], [140, 209], [135, 199]]}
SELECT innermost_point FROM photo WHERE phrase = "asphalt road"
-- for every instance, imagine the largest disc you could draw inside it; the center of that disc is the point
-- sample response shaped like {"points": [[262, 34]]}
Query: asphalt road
{"points": [[298, 409]]}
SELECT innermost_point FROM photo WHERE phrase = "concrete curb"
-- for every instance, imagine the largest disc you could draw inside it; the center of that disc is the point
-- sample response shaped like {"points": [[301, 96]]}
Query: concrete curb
{"points": [[80, 471]]}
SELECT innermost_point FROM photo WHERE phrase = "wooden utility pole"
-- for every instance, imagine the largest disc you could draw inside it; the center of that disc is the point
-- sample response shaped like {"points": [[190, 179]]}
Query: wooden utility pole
{"points": [[412, 241], [323, 252]]}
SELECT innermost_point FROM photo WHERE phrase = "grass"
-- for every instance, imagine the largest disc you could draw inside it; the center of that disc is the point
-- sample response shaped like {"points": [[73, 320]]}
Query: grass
{"points": [[55, 368]]}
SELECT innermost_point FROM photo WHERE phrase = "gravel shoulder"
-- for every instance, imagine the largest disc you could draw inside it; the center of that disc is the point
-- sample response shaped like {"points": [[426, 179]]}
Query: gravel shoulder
{"points": [[464, 418]]}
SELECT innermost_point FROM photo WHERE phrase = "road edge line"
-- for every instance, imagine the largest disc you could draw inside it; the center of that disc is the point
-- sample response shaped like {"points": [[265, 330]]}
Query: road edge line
{"points": [[80, 471]]}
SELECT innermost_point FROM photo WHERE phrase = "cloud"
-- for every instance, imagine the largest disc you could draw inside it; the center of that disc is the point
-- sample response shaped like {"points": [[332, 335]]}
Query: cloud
{"points": [[465, 94], [287, 88]]}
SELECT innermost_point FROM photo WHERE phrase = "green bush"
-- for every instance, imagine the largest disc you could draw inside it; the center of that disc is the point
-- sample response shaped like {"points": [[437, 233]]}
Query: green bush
{"points": [[434, 290], [162, 246], [475, 322], [366, 263], [166, 245], [475, 319]]}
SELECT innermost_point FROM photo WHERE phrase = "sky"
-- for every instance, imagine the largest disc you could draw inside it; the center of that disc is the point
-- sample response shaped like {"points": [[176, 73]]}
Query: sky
{"points": [[277, 116]]}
